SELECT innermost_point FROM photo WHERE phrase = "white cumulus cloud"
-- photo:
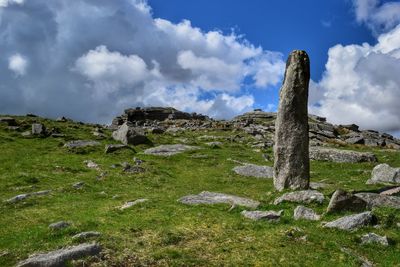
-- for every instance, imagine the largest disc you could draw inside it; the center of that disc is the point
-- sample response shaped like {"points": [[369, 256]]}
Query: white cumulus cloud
{"points": [[18, 64]]}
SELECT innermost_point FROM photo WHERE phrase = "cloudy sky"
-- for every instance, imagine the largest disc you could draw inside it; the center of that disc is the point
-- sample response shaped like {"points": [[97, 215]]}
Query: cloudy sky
{"points": [[90, 59]]}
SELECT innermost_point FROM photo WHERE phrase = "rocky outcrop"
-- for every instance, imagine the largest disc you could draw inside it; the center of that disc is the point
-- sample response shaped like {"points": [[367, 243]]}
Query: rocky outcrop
{"points": [[292, 164], [341, 156], [377, 200]]}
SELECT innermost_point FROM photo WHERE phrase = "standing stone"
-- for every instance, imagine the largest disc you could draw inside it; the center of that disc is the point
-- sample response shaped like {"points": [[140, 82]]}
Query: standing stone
{"points": [[292, 164]]}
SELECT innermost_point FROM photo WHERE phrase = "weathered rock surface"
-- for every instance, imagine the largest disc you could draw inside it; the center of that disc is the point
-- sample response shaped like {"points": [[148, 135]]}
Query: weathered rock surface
{"points": [[383, 173], [130, 204], [340, 156], [9, 121], [169, 150], [86, 235], [112, 148], [91, 164], [38, 129], [59, 225], [305, 196], [81, 144], [342, 201], [258, 215], [391, 191], [372, 238], [352, 222], [129, 135], [301, 212], [292, 165], [252, 170], [59, 257], [210, 198], [377, 200], [21, 197]]}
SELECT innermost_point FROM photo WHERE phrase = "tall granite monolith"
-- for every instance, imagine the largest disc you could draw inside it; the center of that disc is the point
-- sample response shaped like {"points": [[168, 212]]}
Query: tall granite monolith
{"points": [[292, 164]]}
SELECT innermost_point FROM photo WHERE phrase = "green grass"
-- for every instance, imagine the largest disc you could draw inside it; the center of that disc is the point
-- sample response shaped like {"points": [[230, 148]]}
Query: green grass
{"points": [[163, 232]]}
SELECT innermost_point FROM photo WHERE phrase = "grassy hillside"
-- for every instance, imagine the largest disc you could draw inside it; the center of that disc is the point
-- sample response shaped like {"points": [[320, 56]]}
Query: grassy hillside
{"points": [[162, 231]]}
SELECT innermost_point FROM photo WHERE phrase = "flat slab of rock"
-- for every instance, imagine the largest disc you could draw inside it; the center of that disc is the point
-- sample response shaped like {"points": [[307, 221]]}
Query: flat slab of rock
{"points": [[169, 150], [341, 156], [391, 191], [301, 212], [342, 201], [81, 143], [10, 121], [59, 225], [59, 257], [372, 238], [383, 173], [258, 215], [86, 235], [251, 170], [130, 204], [377, 200], [352, 222], [25, 196], [112, 148], [210, 198], [304, 196]]}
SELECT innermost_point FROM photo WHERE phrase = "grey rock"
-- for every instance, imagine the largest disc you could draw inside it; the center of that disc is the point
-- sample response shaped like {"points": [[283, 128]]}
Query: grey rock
{"points": [[305, 196], [9, 121], [58, 258], [377, 200], [81, 144], [214, 144], [318, 185], [129, 135], [340, 156], [112, 148], [132, 169], [86, 235], [301, 212], [355, 140], [352, 222], [391, 191], [252, 170], [91, 164], [210, 198], [59, 225], [157, 130], [21, 197], [62, 119], [351, 127], [258, 215], [38, 129], [169, 150], [372, 238], [130, 204], [78, 185], [383, 173], [292, 165], [344, 201]]}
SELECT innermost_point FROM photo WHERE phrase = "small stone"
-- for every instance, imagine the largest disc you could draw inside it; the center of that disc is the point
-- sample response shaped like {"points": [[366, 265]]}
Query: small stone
{"points": [[344, 201], [318, 185], [252, 170], [258, 215], [91, 164], [214, 144], [130, 204], [169, 150], [59, 225], [371, 238], [210, 198], [59, 257], [111, 148], [78, 185], [305, 196], [26, 133], [81, 144], [352, 222], [17, 198], [86, 235], [301, 212]]}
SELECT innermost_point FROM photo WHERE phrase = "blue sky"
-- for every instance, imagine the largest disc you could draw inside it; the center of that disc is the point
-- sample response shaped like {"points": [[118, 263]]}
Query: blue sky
{"points": [[91, 59]]}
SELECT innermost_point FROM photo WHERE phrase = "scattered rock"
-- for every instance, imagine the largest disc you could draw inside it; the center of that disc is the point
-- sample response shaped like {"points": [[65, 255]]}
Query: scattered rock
{"points": [[377, 200], [169, 150], [210, 198], [305, 196], [132, 169], [318, 185], [130, 204], [21, 197], [81, 144], [59, 225], [257, 215], [341, 156], [252, 170], [214, 144], [292, 164], [383, 173], [91, 164], [78, 185], [111, 148], [129, 135], [301, 212], [86, 235], [372, 238], [59, 257], [38, 129], [352, 222], [342, 201]]}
